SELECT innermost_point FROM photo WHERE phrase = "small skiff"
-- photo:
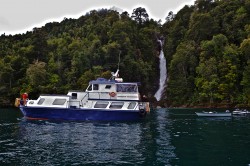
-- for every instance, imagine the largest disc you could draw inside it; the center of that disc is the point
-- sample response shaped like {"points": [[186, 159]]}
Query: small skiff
{"points": [[214, 114]]}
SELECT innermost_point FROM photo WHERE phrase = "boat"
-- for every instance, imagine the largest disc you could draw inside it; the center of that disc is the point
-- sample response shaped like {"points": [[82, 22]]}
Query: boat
{"points": [[103, 100], [214, 114], [240, 112]]}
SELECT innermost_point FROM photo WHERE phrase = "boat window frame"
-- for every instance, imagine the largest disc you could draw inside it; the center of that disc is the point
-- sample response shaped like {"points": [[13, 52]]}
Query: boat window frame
{"points": [[127, 88], [95, 86], [41, 101], [89, 88], [31, 102], [116, 105], [108, 86], [101, 104], [131, 107], [59, 101], [74, 95]]}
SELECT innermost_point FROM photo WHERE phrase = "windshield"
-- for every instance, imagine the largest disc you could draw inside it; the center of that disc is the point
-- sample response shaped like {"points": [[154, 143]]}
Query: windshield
{"points": [[126, 88]]}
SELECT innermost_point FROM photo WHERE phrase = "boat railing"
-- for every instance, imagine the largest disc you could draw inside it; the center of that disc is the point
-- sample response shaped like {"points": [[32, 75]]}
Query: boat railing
{"points": [[113, 95], [84, 97], [101, 95]]}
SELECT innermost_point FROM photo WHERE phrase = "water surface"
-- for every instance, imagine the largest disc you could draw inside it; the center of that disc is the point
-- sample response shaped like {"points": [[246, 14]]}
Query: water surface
{"points": [[166, 137]]}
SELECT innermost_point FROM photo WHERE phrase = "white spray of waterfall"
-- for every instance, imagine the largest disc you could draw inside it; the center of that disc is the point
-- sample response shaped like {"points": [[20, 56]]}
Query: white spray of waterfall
{"points": [[163, 74]]}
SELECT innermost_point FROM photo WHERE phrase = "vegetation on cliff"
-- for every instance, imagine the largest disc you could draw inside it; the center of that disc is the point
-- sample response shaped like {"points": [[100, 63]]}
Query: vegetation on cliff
{"points": [[207, 47]]}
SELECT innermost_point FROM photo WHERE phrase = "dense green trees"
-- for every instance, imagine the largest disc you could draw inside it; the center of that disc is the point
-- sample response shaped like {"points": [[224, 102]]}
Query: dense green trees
{"points": [[140, 15], [219, 31], [207, 47], [217, 73], [182, 73], [67, 55]]}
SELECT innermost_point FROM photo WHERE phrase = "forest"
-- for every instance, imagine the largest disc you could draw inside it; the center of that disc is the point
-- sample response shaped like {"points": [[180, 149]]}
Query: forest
{"points": [[207, 48]]}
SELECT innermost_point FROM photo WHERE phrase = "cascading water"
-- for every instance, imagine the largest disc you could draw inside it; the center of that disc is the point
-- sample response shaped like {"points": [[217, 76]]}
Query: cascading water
{"points": [[163, 74]]}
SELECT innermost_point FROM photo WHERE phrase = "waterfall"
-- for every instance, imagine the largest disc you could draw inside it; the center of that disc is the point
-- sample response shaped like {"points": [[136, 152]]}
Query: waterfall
{"points": [[163, 74]]}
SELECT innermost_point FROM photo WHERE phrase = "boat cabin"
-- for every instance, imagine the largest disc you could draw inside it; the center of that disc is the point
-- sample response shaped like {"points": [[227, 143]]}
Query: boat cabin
{"points": [[100, 93], [112, 89]]}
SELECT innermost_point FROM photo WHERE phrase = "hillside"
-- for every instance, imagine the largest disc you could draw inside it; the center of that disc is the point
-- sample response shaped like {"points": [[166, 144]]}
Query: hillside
{"points": [[208, 51], [67, 55], [207, 47]]}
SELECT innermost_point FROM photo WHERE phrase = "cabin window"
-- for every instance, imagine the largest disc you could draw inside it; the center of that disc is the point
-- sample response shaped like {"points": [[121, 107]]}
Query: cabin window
{"points": [[59, 102], [126, 88], [116, 105], [101, 104], [74, 96], [90, 88], [95, 86], [107, 86], [131, 105], [40, 102]]}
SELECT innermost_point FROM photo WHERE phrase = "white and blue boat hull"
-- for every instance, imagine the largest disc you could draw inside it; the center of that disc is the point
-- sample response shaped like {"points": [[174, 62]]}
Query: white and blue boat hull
{"points": [[43, 113]]}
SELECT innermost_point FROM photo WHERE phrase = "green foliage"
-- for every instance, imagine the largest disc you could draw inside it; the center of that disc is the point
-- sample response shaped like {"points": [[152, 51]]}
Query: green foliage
{"points": [[182, 73], [219, 31], [36, 74], [67, 55], [198, 27], [245, 82], [245, 47], [140, 15], [207, 48], [218, 71]]}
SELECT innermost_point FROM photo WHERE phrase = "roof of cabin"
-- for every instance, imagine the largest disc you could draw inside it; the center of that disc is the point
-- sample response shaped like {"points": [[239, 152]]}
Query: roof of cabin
{"points": [[102, 81], [106, 81], [55, 95]]}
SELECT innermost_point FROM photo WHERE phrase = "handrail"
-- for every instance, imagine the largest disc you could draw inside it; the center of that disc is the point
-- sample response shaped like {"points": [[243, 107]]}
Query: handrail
{"points": [[106, 95], [99, 95], [83, 98]]}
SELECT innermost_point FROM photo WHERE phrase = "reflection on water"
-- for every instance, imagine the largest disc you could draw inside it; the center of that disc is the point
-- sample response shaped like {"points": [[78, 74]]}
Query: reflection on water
{"points": [[75, 143], [147, 142], [165, 152], [168, 137]]}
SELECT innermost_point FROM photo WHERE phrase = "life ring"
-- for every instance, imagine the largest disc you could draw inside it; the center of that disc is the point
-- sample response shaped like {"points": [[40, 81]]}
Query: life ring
{"points": [[112, 94]]}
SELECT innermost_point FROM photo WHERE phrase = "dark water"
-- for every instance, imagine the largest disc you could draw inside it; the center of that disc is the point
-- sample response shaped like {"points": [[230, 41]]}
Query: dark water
{"points": [[167, 137]]}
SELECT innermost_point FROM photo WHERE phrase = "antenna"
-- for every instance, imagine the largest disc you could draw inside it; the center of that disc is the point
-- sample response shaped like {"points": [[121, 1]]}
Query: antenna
{"points": [[116, 75]]}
